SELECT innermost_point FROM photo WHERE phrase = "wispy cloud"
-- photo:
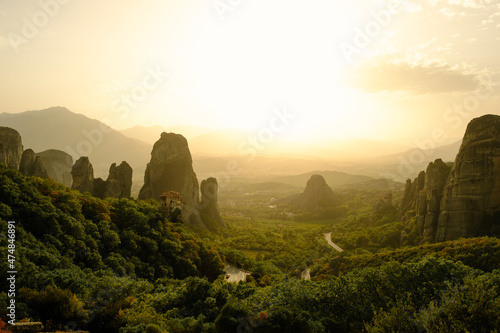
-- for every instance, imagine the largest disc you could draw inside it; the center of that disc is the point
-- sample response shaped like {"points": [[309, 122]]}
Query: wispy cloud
{"points": [[390, 75], [472, 3], [448, 13]]}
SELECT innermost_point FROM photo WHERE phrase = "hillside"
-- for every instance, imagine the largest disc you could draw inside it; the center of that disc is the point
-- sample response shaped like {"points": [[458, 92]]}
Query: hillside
{"points": [[75, 249], [145, 134], [150, 134], [78, 135], [117, 265]]}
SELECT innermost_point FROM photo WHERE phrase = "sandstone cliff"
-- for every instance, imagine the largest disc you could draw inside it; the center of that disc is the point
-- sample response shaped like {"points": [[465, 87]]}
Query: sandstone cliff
{"points": [[384, 204], [11, 147], [117, 185], [462, 200], [32, 165], [317, 194], [171, 169], [83, 175], [58, 165], [471, 202], [119, 181], [209, 208], [423, 196]]}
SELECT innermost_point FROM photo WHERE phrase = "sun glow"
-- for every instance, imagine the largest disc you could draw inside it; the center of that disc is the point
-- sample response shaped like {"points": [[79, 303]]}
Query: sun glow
{"points": [[265, 55], [231, 68]]}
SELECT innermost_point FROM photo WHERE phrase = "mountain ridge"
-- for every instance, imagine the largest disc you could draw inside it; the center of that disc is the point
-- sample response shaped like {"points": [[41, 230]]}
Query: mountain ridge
{"points": [[76, 134]]}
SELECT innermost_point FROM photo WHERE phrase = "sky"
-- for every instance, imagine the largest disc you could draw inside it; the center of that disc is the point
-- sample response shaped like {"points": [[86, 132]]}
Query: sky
{"points": [[399, 71]]}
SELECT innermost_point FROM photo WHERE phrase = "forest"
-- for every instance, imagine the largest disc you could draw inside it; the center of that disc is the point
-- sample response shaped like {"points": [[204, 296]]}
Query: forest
{"points": [[120, 265]]}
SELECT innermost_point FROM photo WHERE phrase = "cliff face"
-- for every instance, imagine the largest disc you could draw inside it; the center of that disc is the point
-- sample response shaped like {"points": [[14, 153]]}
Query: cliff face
{"points": [[171, 169], [422, 198], [471, 203], [316, 194], [117, 185], [11, 147], [209, 209], [119, 181], [83, 175], [464, 200], [32, 165], [58, 165]]}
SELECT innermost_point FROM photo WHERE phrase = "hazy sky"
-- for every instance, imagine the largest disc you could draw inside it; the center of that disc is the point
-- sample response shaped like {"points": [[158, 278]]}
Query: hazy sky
{"points": [[367, 69]]}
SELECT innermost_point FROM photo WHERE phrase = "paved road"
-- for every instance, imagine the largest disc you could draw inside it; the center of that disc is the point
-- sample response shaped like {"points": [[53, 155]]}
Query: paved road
{"points": [[306, 275], [328, 238], [235, 274]]}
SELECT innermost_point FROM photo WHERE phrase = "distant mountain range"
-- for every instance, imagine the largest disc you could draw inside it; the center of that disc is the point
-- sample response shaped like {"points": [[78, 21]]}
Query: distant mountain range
{"points": [[78, 135], [340, 180], [151, 134], [212, 150]]}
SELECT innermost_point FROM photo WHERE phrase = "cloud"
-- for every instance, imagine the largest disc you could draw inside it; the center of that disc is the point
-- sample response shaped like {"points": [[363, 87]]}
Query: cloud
{"points": [[448, 13], [386, 75], [472, 3]]}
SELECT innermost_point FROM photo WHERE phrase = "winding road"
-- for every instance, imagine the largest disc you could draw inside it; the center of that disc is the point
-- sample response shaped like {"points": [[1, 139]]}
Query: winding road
{"points": [[328, 237], [306, 275], [236, 275]]}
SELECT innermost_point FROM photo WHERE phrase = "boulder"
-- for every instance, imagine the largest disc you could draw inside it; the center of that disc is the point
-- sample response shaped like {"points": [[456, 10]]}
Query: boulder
{"points": [[383, 204], [32, 165], [11, 147], [58, 165]]}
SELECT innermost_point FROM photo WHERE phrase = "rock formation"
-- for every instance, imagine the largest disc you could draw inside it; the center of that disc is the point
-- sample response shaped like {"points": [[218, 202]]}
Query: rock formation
{"points": [[316, 194], [209, 209], [383, 204], [117, 185], [83, 175], [422, 197], [171, 169], [119, 181], [11, 147], [58, 165], [32, 165], [464, 200], [471, 202]]}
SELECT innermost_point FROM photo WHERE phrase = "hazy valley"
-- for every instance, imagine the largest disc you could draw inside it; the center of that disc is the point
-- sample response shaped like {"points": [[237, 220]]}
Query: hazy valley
{"points": [[250, 166], [317, 243]]}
